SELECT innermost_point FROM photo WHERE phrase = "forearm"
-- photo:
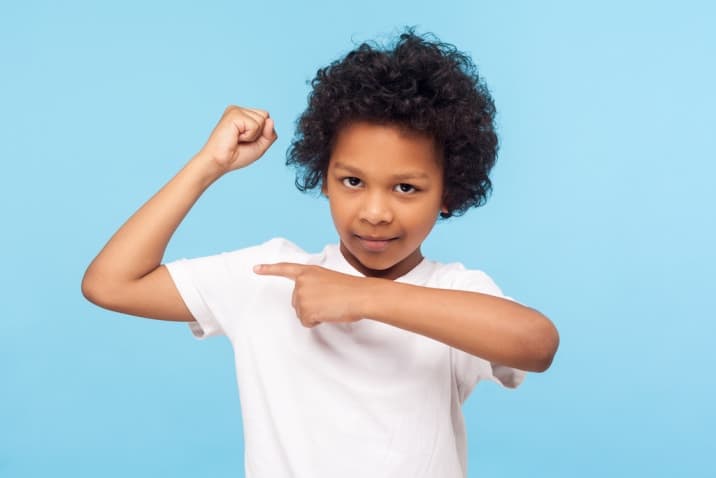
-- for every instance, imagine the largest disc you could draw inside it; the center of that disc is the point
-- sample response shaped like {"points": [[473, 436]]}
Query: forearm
{"points": [[138, 246], [496, 329]]}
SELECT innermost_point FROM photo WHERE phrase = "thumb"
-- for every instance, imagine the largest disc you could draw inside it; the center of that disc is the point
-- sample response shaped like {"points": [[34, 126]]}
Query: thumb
{"points": [[268, 134]]}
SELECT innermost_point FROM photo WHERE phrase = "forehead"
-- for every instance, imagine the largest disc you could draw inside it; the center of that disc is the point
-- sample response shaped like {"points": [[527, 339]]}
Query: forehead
{"points": [[385, 149]]}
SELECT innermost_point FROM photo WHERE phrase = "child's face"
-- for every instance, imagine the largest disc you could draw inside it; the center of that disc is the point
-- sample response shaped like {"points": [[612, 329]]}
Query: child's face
{"points": [[385, 189]]}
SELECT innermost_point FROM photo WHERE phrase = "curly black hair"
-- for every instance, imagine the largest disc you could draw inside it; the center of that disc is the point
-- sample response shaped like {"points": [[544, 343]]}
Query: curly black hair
{"points": [[420, 84]]}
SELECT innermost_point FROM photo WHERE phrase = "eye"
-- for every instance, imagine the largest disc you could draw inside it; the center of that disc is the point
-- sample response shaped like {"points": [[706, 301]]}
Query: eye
{"points": [[351, 182], [405, 188]]}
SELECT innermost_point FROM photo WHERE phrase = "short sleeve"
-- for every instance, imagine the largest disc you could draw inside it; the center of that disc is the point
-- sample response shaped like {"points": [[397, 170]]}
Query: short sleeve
{"points": [[468, 368], [216, 288]]}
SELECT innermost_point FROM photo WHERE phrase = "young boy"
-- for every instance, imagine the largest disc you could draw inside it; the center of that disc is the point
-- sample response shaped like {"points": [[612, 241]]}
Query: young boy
{"points": [[355, 361]]}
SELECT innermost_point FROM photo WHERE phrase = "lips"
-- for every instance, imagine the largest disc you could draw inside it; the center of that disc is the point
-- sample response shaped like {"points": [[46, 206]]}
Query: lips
{"points": [[374, 243]]}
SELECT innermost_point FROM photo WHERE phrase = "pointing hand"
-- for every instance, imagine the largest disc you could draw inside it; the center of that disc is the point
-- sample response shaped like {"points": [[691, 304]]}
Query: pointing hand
{"points": [[320, 294]]}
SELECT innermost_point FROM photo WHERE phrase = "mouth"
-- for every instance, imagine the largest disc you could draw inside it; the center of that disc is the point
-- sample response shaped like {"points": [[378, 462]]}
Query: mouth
{"points": [[375, 243]]}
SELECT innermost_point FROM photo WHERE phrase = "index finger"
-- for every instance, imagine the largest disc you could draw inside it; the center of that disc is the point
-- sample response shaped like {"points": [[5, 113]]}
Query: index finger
{"points": [[289, 270]]}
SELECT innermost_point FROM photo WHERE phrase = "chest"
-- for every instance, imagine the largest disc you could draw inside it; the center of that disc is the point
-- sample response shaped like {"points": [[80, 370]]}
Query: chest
{"points": [[365, 357]]}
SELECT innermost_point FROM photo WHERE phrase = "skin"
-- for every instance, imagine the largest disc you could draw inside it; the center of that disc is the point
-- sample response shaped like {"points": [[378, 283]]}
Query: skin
{"points": [[383, 182], [127, 274]]}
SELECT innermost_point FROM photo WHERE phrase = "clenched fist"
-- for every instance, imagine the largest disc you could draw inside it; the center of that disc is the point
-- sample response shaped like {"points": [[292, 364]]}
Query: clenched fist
{"points": [[241, 136]]}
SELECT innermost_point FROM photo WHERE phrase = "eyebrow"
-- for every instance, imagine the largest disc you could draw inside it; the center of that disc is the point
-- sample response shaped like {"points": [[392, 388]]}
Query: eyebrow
{"points": [[407, 175]]}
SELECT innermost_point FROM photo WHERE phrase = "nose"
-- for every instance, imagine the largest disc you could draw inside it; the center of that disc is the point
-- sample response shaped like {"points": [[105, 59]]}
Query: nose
{"points": [[375, 209]]}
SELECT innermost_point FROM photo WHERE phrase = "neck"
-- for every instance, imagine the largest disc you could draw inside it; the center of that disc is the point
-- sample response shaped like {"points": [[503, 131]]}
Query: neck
{"points": [[393, 272]]}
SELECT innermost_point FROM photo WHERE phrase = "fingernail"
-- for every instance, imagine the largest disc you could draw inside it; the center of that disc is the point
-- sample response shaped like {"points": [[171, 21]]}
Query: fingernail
{"points": [[257, 268]]}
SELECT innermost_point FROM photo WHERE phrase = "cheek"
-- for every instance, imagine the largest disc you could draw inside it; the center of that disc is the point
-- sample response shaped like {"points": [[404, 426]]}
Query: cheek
{"points": [[340, 210], [415, 217], [424, 218]]}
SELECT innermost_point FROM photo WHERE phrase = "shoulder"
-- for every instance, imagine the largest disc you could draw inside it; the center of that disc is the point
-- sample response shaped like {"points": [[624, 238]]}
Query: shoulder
{"points": [[454, 275], [275, 249], [240, 262]]}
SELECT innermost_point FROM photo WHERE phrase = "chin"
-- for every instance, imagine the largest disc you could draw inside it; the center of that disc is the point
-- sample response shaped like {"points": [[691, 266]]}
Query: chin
{"points": [[373, 262], [378, 266]]}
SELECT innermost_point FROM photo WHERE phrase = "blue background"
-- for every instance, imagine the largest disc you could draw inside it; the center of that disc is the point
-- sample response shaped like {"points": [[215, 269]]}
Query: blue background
{"points": [[601, 217]]}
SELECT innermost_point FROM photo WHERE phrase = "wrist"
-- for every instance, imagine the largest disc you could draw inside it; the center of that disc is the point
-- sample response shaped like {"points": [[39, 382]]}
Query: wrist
{"points": [[206, 168], [372, 295]]}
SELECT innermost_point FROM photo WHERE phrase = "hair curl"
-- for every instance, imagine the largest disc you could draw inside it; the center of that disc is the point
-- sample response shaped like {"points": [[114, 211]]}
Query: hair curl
{"points": [[425, 86]]}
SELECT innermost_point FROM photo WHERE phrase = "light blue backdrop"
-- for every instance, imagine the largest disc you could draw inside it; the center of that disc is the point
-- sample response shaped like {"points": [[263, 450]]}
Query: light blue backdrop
{"points": [[602, 217]]}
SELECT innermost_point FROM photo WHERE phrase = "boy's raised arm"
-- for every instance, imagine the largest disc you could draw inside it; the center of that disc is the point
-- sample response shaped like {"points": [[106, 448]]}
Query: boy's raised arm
{"points": [[127, 275]]}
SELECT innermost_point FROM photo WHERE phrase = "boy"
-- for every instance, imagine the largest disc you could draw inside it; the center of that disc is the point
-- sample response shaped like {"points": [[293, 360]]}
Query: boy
{"points": [[354, 361]]}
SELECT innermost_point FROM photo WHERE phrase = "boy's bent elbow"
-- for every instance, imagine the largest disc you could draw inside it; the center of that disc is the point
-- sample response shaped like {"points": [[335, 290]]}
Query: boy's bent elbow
{"points": [[154, 296], [546, 346], [91, 291], [96, 289]]}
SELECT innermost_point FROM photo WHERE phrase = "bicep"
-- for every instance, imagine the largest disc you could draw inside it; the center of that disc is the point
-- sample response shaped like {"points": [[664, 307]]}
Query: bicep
{"points": [[154, 296]]}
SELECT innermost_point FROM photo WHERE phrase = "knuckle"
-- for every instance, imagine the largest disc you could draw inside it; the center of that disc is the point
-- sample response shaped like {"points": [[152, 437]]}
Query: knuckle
{"points": [[238, 112]]}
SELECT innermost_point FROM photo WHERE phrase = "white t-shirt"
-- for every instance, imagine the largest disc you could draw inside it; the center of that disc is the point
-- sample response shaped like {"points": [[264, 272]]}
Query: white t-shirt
{"points": [[360, 399]]}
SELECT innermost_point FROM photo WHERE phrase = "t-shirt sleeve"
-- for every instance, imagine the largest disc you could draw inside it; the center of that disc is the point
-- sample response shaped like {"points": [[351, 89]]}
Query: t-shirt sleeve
{"points": [[468, 368], [216, 288]]}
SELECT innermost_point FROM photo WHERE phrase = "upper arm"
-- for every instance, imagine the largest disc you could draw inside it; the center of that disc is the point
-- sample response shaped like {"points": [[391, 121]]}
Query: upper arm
{"points": [[154, 296]]}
